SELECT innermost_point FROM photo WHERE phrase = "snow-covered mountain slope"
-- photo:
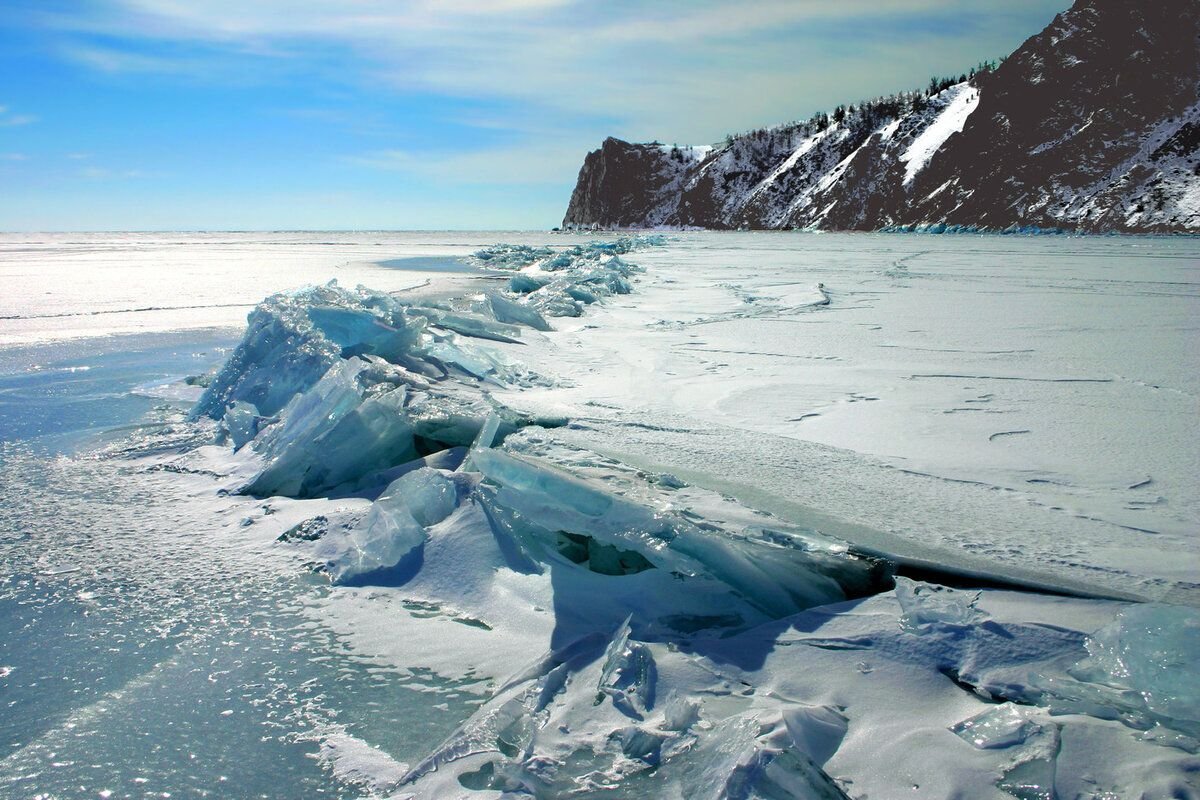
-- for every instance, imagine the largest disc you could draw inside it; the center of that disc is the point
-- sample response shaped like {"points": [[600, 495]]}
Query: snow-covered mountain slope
{"points": [[1092, 124]]}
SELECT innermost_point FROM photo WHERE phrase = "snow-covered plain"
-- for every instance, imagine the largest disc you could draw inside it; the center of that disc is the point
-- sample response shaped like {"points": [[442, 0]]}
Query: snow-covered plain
{"points": [[693, 542]]}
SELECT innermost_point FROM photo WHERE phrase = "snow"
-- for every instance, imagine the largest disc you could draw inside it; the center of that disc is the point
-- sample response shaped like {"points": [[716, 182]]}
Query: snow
{"points": [[960, 100], [788, 163], [889, 130]]}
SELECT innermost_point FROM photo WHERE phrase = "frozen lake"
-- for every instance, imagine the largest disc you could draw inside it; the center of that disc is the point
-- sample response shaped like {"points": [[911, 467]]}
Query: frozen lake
{"points": [[989, 411]]}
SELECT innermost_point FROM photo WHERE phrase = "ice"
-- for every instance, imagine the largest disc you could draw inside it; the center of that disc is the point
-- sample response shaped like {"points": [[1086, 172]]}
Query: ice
{"points": [[358, 330], [333, 385], [1004, 726], [731, 589], [523, 283], [628, 675], [1153, 649], [395, 525], [505, 310], [1030, 780], [510, 256], [1139, 669], [558, 511], [928, 605], [558, 284], [281, 354], [741, 759], [331, 434], [817, 731], [242, 420], [481, 364], [294, 339], [469, 324]]}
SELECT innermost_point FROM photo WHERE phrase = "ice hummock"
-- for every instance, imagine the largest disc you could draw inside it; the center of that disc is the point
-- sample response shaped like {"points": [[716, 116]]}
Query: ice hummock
{"points": [[393, 389], [331, 385], [561, 284]]}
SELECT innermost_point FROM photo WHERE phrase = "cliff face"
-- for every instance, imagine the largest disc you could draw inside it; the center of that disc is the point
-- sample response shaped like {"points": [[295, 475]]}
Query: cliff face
{"points": [[1092, 124], [625, 185]]}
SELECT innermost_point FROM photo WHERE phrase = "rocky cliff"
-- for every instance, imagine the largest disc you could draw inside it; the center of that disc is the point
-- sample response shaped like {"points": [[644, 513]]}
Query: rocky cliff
{"points": [[1091, 125]]}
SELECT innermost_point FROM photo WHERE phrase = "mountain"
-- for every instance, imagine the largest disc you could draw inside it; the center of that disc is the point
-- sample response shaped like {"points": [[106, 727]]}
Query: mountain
{"points": [[1091, 125]]}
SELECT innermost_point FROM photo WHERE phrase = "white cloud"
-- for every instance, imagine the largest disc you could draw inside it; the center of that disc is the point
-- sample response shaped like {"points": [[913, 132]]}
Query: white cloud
{"points": [[653, 64], [13, 157], [675, 70], [11, 120], [104, 173]]}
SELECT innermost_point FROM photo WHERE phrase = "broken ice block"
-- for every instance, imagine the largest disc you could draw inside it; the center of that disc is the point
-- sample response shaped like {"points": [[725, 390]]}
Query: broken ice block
{"points": [[395, 525], [505, 310]]}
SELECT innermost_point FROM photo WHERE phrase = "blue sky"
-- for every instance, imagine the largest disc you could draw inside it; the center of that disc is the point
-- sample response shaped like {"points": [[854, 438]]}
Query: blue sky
{"points": [[366, 114]]}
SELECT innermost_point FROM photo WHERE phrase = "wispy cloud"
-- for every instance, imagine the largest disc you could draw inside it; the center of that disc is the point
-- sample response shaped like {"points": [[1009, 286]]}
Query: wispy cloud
{"points": [[420, 108], [104, 173], [13, 157], [10, 120], [707, 65]]}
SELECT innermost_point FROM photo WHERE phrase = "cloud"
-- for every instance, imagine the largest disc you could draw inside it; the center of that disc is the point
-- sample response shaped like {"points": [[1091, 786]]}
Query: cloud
{"points": [[707, 66], [522, 89], [11, 120], [104, 173], [13, 157]]}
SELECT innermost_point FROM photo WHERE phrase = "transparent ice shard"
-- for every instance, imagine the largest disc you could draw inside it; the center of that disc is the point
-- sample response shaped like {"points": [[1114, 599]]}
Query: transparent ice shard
{"points": [[628, 677], [524, 283], [476, 362], [738, 759], [1006, 725], [242, 421], [925, 605], [358, 331], [331, 434], [396, 524], [293, 339], [505, 310], [1140, 669], [1153, 649], [542, 504], [469, 324]]}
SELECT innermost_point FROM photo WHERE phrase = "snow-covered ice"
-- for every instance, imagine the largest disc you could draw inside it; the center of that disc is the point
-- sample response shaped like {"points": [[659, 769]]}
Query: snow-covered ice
{"points": [[714, 516]]}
